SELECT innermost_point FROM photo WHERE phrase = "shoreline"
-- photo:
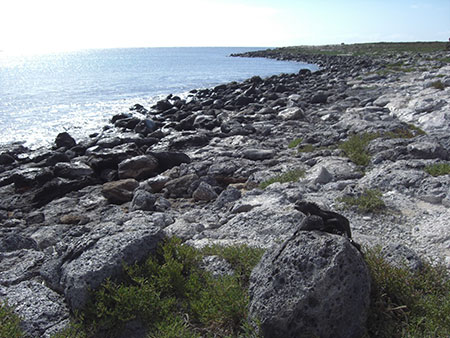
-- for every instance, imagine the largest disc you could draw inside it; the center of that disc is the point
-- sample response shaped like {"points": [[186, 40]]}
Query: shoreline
{"points": [[194, 168]]}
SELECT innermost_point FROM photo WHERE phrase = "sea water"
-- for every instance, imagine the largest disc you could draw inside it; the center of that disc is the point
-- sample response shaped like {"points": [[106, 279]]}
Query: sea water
{"points": [[43, 95]]}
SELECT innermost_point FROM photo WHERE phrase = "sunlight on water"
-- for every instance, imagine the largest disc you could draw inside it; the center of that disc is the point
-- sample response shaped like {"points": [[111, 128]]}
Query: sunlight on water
{"points": [[45, 94]]}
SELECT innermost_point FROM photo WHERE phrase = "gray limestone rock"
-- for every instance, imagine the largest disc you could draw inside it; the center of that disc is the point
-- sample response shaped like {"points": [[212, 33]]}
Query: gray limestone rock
{"points": [[319, 175], [40, 308], [293, 113], [204, 192], [103, 256], [400, 256], [427, 150], [217, 266], [229, 195], [258, 154], [20, 265], [315, 284]]}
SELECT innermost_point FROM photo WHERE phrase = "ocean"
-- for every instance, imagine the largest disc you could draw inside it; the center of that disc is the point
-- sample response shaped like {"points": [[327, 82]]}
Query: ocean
{"points": [[78, 92]]}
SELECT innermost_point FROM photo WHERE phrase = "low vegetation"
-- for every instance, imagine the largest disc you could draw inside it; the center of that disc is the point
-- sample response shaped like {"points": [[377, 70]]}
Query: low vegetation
{"points": [[290, 176], [438, 84], [410, 132], [438, 169], [175, 298], [355, 148], [369, 201], [295, 142], [9, 322], [381, 48], [407, 304]]}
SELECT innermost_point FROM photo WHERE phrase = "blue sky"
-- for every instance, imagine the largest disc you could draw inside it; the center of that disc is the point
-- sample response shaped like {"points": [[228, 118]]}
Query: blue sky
{"points": [[50, 25]]}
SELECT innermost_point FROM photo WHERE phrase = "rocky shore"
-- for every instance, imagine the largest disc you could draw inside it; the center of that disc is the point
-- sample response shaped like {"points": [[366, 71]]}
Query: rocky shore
{"points": [[194, 167]]}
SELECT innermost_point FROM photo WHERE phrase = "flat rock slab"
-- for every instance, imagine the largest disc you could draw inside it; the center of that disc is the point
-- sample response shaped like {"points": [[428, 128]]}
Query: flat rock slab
{"points": [[103, 257]]}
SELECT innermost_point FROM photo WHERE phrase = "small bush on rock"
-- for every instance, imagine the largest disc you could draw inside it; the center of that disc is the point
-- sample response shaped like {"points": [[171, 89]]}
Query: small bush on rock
{"points": [[295, 142], [438, 85], [355, 148], [368, 201], [405, 303], [290, 176], [438, 169], [410, 132]]}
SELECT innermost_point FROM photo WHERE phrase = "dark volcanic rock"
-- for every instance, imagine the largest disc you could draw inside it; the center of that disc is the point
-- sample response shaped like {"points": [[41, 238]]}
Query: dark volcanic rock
{"points": [[6, 159], [182, 186], [168, 160], [58, 188], [139, 167], [319, 98], [143, 200], [121, 191], [16, 242], [72, 170], [56, 158], [64, 140]]}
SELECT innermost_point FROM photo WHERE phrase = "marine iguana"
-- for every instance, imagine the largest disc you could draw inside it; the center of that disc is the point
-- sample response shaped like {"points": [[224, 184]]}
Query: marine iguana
{"points": [[322, 220], [333, 222]]}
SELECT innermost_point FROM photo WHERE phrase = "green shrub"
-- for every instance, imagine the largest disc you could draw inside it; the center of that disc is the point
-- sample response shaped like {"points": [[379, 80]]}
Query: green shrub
{"points": [[307, 148], [368, 201], [9, 322], [355, 148], [407, 304], [242, 258], [74, 330], [438, 169], [417, 131], [294, 143], [410, 132], [173, 296], [290, 176]]}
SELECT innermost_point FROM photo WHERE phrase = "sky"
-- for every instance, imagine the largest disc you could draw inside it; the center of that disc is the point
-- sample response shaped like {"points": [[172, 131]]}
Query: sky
{"points": [[55, 25]]}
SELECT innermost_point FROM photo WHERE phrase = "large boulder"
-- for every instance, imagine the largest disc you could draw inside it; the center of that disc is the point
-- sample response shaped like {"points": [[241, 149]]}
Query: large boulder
{"points": [[314, 285]]}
